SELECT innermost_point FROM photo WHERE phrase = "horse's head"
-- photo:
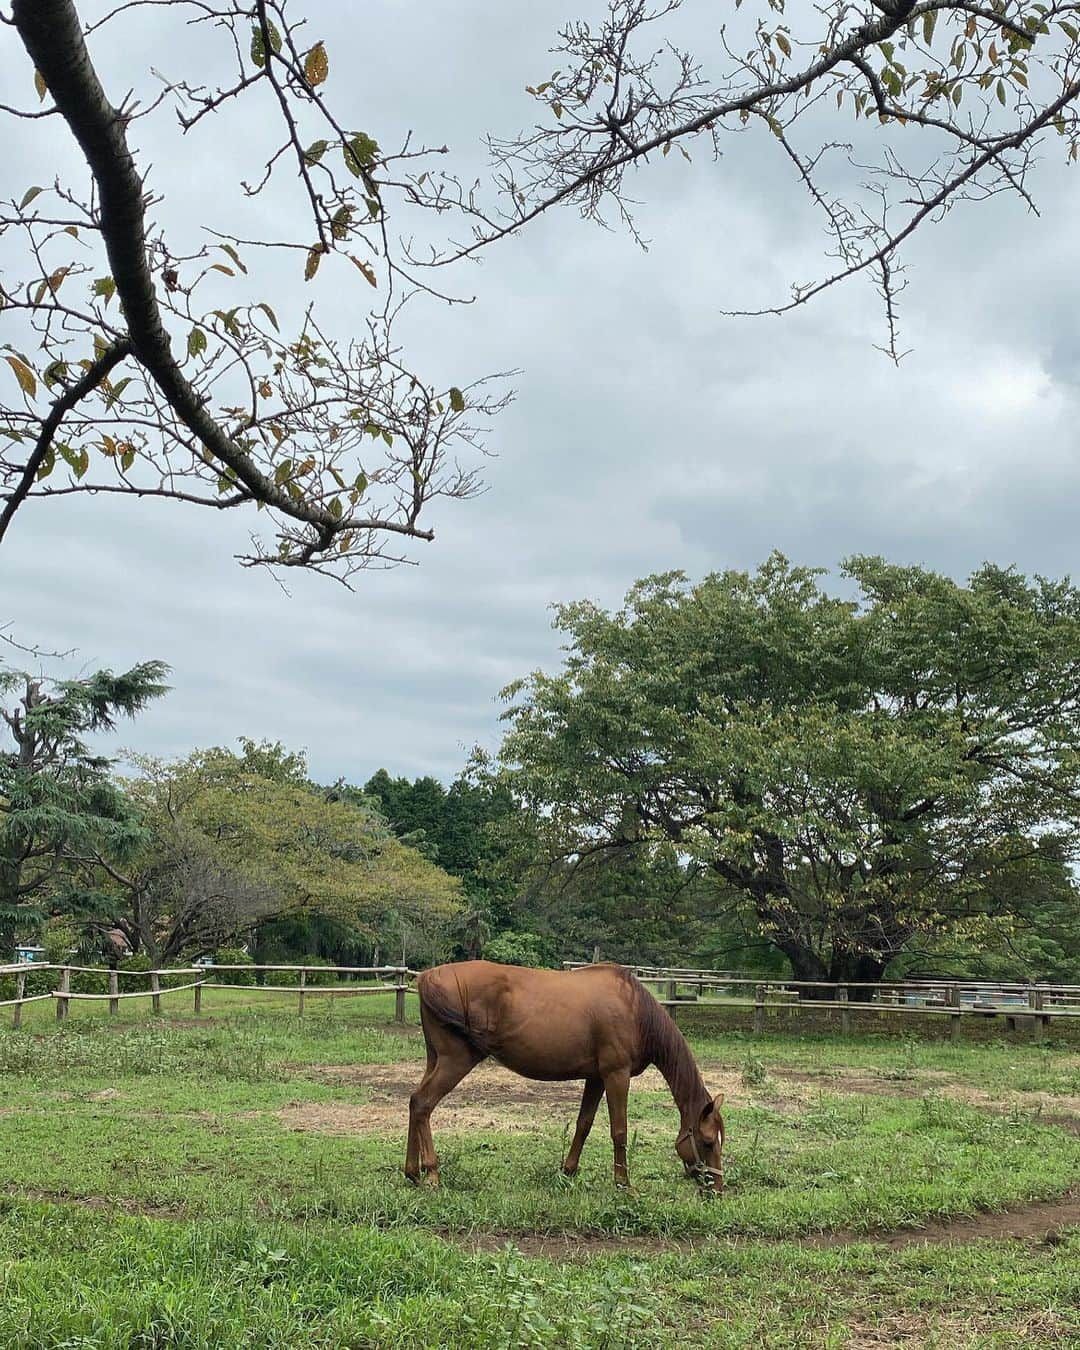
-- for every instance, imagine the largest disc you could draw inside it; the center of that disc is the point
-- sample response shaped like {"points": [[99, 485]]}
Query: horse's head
{"points": [[700, 1145]]}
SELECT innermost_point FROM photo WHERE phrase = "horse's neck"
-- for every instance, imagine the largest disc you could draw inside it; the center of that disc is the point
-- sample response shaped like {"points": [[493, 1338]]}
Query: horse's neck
{"points": [[673, 1057]]}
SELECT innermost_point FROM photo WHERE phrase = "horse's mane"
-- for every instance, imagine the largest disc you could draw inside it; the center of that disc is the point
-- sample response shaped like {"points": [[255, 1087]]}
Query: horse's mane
{"points": [[663, 1044]]}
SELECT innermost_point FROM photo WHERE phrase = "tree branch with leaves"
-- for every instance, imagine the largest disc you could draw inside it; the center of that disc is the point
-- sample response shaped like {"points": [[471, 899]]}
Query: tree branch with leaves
{"points": [[344, 445]]}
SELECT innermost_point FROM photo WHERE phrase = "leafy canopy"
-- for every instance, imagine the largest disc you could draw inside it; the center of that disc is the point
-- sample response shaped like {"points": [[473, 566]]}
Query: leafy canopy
{"points": [[864, 768]]}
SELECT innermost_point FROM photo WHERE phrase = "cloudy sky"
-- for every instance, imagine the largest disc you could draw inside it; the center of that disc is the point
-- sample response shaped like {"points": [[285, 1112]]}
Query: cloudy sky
{"points": [[650, 431]]}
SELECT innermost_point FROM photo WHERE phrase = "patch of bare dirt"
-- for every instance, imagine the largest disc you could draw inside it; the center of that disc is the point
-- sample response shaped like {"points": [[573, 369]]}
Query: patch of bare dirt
{"points": [[916, 1331], [107, 1203], [490, 1097], [850, 1080], [1054, 1108]]}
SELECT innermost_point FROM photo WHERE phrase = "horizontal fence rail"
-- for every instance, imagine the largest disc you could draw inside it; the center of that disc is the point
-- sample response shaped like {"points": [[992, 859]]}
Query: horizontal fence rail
{"points": [[775, 1000], [390, 979], [1028, 1006]]}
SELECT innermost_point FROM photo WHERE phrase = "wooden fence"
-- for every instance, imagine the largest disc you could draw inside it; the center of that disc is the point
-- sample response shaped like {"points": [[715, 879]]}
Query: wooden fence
{"points": [[1031, 1007], [389, 979]]}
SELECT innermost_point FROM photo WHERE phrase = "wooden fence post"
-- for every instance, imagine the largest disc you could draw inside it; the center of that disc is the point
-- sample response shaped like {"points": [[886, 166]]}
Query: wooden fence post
{"points": [[1038, 1022], [954, 1018], [64, 989], [20, 993], [759, 1009], [114, 989], [399, 997], [671, 990], [155, 991], [198, 991], [300, 995], [845, 1015]]}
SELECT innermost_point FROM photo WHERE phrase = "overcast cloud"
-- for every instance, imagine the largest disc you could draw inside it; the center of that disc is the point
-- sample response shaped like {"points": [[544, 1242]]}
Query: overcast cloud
{"points": [[650, 431]]}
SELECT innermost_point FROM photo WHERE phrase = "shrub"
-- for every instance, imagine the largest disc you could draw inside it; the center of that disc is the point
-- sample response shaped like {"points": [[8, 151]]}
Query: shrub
{"points": [[325, 975], [37, 982], [233, 956], [519, 949]]}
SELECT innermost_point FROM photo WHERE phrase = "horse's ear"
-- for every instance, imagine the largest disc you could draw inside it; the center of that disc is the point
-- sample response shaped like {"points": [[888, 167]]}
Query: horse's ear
{"points": [[713, 1106], [718, 1101]]}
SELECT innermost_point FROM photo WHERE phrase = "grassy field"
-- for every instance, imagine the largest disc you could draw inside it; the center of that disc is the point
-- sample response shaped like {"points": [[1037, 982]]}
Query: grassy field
{"points": [[236, 1181]]}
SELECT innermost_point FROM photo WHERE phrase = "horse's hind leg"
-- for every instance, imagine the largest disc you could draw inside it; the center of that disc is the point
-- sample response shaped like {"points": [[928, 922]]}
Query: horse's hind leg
{"points": [[590, 1100], [453, 1062], [413, 1146]]}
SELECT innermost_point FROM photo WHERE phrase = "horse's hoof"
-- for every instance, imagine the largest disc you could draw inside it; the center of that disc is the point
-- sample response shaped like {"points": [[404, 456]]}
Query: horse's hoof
{"points": [[431, 1181]]}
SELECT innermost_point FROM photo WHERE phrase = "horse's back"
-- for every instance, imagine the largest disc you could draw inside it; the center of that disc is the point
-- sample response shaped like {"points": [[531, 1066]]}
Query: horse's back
{"points": [[547, 1024]]}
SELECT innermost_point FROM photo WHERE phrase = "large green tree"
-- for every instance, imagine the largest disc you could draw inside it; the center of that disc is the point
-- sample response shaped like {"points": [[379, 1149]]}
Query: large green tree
{"points": [[232, 841], [867, 769], [57, 798]]}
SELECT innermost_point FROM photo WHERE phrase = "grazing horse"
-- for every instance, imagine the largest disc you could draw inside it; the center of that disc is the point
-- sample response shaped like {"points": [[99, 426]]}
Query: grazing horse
{"points": [[598, 1023]]}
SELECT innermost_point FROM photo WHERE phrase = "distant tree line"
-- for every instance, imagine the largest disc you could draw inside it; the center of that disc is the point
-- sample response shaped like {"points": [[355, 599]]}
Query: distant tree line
{"points": [[745, 772]]}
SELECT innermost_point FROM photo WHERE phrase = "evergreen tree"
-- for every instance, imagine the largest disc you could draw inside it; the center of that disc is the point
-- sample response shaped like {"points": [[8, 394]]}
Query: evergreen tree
{"points": [[57, 800]]}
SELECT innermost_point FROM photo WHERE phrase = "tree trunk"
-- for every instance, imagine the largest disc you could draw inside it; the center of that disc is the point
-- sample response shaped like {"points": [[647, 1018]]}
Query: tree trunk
{"points": [[806, 964], [857, 968]]}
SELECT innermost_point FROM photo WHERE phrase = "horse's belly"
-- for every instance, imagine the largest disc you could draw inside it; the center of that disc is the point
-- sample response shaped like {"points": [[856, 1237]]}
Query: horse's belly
{"points": [[549, 1049], [545, 1068]]}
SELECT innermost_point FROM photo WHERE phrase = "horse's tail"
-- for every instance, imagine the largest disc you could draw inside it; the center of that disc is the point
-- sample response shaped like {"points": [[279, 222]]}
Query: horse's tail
{"points": [[450, 1007]]}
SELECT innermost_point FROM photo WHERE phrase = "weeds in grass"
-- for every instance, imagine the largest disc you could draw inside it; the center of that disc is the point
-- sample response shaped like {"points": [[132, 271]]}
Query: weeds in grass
{"points": [[151, 1048], [907, 1067], [755, 1074]]}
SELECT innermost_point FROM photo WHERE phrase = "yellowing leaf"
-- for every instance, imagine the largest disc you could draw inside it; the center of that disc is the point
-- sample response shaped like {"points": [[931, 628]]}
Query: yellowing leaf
{"points": [[40, 85], [783, 44], [25, 376], [28, 197], [314, 258], [228, 248], [457, 399], [316, 65], [369, 272]]}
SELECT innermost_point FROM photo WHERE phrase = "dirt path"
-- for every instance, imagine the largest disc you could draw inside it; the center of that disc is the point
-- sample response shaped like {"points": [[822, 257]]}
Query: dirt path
{"points": [[1039, 1221]]}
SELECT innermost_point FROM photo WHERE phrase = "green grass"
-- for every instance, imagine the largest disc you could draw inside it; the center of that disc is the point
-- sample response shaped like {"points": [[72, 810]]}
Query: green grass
{"points": [[151, 1196]]}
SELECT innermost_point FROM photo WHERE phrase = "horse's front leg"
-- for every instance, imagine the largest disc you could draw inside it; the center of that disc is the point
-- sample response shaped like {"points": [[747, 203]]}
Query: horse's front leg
{"points": [[617, 1087], [590, 1100]]}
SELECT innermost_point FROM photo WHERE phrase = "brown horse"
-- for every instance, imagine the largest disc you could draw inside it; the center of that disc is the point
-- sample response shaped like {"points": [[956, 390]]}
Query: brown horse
{"points": [[598, 1023]]}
